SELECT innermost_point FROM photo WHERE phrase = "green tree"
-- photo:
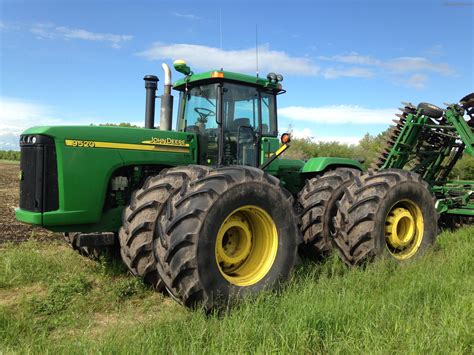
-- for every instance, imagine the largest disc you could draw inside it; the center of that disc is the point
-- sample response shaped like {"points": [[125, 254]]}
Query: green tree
{"points": [[9, 155], [464, 168]]}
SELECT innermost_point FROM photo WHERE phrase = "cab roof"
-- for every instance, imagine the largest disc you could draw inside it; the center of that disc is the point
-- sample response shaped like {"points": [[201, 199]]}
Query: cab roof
{"points": [[220, 75]]}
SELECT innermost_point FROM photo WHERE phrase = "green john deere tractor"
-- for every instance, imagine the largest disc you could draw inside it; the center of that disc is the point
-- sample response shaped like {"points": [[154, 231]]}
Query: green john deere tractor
{"points": [[209, 211]]}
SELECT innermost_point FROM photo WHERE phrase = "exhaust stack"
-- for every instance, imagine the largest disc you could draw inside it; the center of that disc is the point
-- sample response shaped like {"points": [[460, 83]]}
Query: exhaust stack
{"points": [[166, 112], [151, 83]]}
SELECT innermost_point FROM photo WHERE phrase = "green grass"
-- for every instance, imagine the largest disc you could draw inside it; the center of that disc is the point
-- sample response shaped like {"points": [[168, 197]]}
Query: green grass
{"points": [[52, 300]]}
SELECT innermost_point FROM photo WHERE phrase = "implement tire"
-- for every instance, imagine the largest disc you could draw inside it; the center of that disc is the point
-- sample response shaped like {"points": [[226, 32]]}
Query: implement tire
{"points": [[386, 213], [229, 234], [430, 110], [139, 219], [318, 201], [93, 253]]}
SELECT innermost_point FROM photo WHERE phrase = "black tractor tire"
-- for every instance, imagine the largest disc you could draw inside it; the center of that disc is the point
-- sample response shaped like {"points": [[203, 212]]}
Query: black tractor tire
{"points": [[194, 232], [94, 253], [430, 110], [387, 213], [318, 203], [139, 219]]}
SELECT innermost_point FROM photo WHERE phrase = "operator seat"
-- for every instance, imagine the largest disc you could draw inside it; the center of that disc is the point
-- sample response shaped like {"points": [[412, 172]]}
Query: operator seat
{"points": [[240, 122]]}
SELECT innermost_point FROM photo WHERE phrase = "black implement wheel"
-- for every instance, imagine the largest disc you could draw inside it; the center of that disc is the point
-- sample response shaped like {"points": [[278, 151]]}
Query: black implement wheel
{"points": [[94, 253], [139, 219], [226, 235], [390, 212], [318, 201], [430, 110], [467, 101], [454, 222]]}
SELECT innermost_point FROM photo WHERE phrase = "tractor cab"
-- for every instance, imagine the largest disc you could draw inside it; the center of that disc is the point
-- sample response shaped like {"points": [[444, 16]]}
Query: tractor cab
{"points": [[229, 113]]}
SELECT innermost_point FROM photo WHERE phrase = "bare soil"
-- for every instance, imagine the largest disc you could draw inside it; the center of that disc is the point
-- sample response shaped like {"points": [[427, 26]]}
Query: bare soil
{"points": [[12, 230]]}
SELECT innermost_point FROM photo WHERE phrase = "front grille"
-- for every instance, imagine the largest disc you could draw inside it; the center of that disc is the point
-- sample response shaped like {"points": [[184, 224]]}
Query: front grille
{"points": [[39, 174]]}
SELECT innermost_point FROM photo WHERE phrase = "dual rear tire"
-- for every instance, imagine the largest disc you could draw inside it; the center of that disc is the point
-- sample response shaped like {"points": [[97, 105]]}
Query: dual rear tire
{"points": [[210, 236], [386, 213], [390, 213], [318, 200], [229, 234]]}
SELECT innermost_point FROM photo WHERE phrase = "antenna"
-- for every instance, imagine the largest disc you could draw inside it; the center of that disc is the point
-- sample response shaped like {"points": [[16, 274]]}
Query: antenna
{"points": [[256, 46], [220, 27]]}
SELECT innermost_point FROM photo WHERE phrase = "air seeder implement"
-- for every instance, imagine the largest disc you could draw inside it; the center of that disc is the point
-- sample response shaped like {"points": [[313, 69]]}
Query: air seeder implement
{"points": [[212, 210], [396, 209]]}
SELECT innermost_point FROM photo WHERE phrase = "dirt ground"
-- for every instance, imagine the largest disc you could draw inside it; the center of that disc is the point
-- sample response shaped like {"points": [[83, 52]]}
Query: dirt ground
{"points": [[12, 230]]}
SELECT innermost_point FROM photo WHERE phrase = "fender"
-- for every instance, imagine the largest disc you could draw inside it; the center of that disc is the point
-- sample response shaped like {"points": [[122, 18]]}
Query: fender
{"points": [[320, 164]]}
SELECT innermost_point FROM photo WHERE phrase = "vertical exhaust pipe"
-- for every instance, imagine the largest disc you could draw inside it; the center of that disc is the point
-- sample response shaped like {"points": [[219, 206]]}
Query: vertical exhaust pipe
{"points": [[166, 112], [151, 84]]}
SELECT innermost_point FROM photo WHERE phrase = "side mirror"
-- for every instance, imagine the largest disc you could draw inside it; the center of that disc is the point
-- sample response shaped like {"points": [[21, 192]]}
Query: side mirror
{"points": [[285, 138]]}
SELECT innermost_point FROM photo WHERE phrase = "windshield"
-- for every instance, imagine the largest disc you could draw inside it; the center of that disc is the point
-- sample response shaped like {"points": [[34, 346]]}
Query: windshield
{"points": [[200, 109], [199, 117]]}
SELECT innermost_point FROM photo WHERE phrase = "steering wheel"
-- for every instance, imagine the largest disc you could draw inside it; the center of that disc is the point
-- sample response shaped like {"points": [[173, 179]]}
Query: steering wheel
{"points": [[204, 113]]}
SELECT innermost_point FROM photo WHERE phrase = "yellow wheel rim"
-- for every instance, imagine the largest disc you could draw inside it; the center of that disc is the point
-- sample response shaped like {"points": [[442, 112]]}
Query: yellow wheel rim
{"points": [[404, 229], [246, 245]]}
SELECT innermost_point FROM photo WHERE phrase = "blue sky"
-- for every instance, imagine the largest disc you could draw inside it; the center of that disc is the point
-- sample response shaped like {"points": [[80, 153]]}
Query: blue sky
{"points": [[346, 64]]}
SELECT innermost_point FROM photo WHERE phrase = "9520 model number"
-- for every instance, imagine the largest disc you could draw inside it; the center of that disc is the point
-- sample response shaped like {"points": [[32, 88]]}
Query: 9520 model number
{"points": [[77, 143]]}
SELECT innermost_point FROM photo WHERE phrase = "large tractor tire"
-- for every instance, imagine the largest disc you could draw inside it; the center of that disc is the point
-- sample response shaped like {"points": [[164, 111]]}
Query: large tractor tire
{"points": [[386, 213], [229, 234], [94, 253], [139, 220], [318, 201]]}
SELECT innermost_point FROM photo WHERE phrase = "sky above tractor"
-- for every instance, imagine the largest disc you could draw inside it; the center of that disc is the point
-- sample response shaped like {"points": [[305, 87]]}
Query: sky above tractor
{"points": [[346, 64]]}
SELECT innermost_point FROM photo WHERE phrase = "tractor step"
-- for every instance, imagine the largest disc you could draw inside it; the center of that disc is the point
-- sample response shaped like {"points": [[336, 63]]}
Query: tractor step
{"points": [[95, 239]]}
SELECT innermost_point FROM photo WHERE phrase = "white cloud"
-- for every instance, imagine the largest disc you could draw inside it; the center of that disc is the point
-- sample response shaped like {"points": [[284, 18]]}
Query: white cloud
{"points": [[333, 73], [187, 16], [49, 31], [9, 141], [341, 114], [300, 133], [352, 58], [411, 64], [242, 60], [307, 133], [417, 81], [17, 115], [396, 65]]}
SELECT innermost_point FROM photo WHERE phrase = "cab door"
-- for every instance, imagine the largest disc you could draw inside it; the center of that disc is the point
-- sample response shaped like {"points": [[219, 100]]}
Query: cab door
{"points": [[241, 128]]}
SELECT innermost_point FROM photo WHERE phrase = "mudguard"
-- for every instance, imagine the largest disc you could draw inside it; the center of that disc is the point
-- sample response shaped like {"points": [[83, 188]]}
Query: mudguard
{"points": [[320, 164]]}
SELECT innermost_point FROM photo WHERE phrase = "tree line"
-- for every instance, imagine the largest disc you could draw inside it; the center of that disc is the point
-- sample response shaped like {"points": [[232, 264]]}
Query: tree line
{"points": [[9, 155], [367, 150]]}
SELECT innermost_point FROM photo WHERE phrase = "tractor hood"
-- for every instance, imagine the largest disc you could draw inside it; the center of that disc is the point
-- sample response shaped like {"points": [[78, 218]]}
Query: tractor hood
{"points": [[112, 137], [66, 171]]}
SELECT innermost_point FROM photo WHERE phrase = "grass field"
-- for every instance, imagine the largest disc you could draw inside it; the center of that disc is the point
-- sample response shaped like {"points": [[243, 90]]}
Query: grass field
{"points": [[53, 300]]}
